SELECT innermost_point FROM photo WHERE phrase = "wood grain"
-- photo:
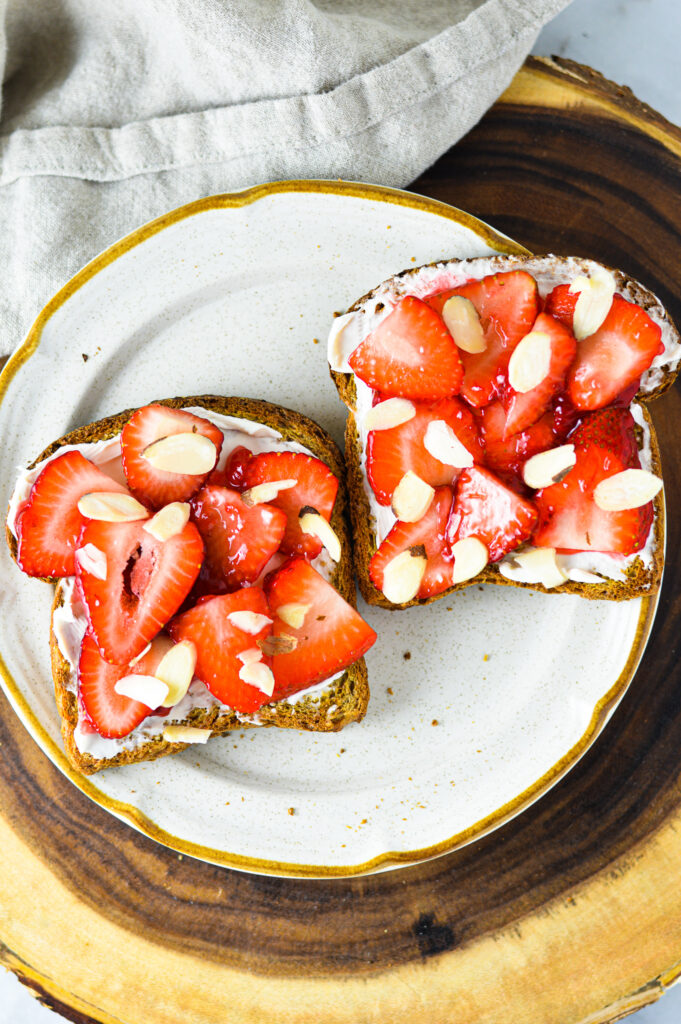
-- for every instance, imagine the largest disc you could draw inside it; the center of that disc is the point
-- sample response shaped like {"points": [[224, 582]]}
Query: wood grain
{"points": [[571, 913]]}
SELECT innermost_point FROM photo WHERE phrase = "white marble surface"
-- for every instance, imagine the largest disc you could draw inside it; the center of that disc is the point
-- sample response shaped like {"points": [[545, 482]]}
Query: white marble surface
{"points": [[635, 43]]}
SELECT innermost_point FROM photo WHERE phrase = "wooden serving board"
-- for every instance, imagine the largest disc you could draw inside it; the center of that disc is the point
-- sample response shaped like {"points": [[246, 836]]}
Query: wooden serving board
{"points": [[571, 912]]}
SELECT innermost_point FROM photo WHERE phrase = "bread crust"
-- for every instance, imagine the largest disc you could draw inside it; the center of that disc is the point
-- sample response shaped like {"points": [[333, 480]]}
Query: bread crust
{"points": [[641, 580], [345, 701]]}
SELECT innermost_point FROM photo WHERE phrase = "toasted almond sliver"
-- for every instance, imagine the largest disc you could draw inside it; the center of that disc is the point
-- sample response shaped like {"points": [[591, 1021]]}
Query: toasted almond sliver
{"points": [[470, 558], [411, 498], [281, 644], [92, 560], [403, 575], [259, 675], [111, 507], [249, 622], [268, 491], [249, 655], [168, 521], [138, 657], [391, 413], [187, 453], [185, 734], [595, 295], [442, 443], [176, 669], [535, 565], [583, 576], [463, 323], [313, 523], [293, 614], [146, 689], [549, 467], [629, 489], [530, 361]]}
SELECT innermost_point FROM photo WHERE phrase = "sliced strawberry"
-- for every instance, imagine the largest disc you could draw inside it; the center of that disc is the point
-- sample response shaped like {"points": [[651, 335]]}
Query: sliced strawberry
{"points": [[411, 354], [218, 642], [507, 457], [239, 540], [333, 635], [612, 428], [316, 487], [49, 523], [146, 582], [525, 409], [611, 358], [570, 520], [156, 487], [390, 453], [235, 470], [429, 531], [111, 714], [486, 509], [507, 305]]}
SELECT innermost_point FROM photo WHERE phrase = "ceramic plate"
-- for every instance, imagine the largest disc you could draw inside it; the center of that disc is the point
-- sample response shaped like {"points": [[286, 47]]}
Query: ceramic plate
{"points": [[479, 703]]}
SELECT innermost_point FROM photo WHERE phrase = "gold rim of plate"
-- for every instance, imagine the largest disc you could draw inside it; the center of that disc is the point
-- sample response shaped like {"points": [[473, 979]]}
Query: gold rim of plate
{"points": [[130, 814]]}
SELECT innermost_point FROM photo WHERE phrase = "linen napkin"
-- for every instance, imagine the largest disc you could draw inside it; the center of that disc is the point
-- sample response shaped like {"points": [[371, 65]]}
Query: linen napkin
{"points": [[113, 113]]}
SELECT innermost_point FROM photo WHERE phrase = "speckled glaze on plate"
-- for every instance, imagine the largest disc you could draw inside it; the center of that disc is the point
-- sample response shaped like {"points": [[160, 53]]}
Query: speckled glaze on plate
{"points": [[479, 703]]}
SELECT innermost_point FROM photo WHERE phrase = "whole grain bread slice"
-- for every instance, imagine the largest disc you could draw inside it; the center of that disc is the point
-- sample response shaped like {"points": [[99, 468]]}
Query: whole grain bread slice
{"points": [[346, 698], [365, 313]]}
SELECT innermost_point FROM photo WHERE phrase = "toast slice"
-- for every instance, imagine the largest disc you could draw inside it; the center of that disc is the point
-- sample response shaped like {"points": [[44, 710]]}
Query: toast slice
{"points": [[640, 574], [325, 707]]}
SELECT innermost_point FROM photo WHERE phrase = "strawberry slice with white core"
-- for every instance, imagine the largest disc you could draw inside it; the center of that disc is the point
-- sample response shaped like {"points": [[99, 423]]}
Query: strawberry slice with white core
{"points": [[332, 636], [486, 509], [316, 487], [570, 520], [613, 357], [392, 453], [49, 524], [507, 305], [525, 409], [150, 424], [213, 627], [430, 532], [112, 714], [146, 582], [411, 354], [239, 539]]}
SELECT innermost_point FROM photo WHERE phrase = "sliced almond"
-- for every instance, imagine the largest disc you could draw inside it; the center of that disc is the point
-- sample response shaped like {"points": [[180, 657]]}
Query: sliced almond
{"points": [[463, 323], [530, 361], [583, 576], [146, 689], [168, 521], [629, 489], [293, 614], [403, 575], [176, 669], [189, 453], [252, 654], [313, 523], [249, 622], [268, 491], [549, 467], [411, 498], [185, 734], [391, 413], [111, 507], [92, 560], [441, 442], [535, 565], [282, 644], [259, 675], [139, 657], [470, 558], [595, 295]]}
